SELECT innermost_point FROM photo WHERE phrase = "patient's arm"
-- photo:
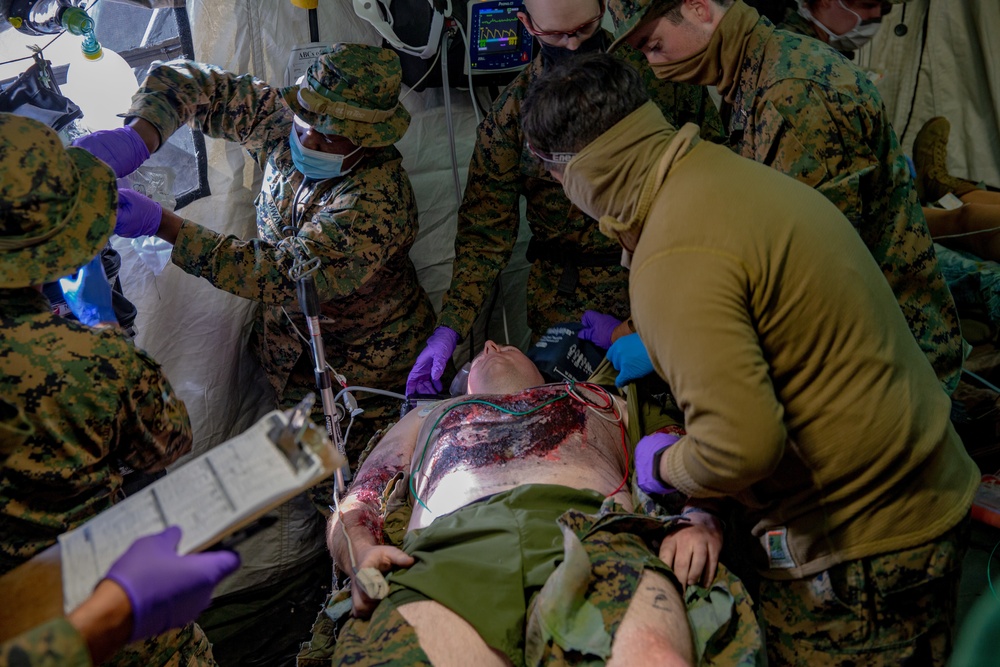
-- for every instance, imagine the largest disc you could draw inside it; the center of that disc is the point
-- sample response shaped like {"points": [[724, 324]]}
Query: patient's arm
{"points": [[692, 551], [361, 510]]}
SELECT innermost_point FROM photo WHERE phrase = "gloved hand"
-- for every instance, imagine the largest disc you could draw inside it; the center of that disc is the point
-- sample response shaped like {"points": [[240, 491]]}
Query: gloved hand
{"points": [[138, 215], [597, 328], [168, 590], [122, 149], [628, 355], [647, 462], [425, 376], [88, 294]]}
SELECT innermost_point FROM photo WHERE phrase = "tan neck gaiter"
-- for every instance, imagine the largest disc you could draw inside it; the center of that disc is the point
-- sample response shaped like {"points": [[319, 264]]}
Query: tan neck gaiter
{"points": [[721, 61]]}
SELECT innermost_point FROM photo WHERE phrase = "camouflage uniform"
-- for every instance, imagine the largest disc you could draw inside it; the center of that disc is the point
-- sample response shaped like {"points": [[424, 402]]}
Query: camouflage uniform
{"points": [[808, 113], [800, 107], [873, 607], [76, 404], [79, 403], [501, 171], [374, 314], [795, 22], [56, 643], [53, 644]]}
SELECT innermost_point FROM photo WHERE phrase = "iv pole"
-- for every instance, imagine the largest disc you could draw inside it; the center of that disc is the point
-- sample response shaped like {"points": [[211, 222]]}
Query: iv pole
{"points": [[309, 302]]}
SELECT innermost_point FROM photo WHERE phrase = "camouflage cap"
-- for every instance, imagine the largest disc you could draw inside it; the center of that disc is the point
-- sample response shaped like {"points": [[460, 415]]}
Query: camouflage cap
{"points": [[626, 15], [57, 205], [352, 91]]}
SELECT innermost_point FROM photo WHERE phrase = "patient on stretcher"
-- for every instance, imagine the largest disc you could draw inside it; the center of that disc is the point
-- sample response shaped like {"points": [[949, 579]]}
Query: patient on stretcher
{"points": [[521, 545]]}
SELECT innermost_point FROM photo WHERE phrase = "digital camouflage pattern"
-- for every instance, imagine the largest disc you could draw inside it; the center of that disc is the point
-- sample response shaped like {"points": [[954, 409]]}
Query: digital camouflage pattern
{"points": [[56, 204], [77, 404], [887, 610], [626, 16], [52, 644], [803, 109], [353, 92], [374, 315], [795, 22], [619, 548], [502, 170], [185, 647]]}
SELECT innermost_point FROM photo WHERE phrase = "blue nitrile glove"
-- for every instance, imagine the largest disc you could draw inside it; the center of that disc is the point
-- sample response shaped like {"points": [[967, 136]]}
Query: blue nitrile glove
{"points": [[168, 590], [88, 294], [425, 376], [597, 328], [122, 149], [138, 215], [629, 357], [647, 462]]}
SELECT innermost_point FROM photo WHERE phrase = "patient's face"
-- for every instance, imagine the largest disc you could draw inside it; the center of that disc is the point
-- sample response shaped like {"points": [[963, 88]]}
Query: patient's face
{"points": [[502, 369]]}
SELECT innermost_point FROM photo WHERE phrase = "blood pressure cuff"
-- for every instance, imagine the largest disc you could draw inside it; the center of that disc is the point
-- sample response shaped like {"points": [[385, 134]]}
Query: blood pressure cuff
{"points": [[560, 352]]}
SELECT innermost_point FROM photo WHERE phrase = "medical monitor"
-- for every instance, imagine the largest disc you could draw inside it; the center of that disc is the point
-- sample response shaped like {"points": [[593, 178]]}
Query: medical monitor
{"points": [[498, 41]]}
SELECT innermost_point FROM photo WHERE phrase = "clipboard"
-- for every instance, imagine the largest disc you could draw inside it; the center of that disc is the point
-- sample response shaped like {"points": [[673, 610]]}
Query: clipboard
{"points": [[210, 497]]}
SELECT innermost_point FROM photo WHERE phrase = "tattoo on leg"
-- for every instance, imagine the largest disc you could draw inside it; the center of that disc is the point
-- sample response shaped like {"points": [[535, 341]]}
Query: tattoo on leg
{"points": [[661, 598]]}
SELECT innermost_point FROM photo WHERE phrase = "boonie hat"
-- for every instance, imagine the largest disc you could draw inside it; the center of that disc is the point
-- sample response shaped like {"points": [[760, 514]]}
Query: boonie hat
{"points": [[57, 205], [352, 91], [626, 16]]}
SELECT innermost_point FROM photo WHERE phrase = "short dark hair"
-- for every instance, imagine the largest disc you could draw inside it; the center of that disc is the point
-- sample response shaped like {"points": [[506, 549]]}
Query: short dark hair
{"points": [[671, 9], [578, 100]]}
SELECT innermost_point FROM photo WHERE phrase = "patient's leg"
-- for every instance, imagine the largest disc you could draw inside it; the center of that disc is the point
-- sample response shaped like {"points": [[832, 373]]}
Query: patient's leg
{"points": [[974, 227], [448, 639], [655, 628]]}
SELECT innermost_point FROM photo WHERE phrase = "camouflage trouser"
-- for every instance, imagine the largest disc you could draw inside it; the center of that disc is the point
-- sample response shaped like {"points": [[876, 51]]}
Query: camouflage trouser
{"points": [[617, 549], [187, 647], [892, 609]]}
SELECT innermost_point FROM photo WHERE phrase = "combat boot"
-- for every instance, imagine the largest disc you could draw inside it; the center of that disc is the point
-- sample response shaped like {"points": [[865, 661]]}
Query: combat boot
{"points": [[930, 153]]}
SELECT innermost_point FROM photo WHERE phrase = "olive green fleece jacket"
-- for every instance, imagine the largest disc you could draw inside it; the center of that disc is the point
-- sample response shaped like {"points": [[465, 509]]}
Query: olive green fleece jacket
{"points": [[805, 395]]}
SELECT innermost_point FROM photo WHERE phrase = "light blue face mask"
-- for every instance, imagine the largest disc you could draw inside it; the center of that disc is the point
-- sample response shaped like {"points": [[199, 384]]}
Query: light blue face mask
{"points": [[317, 164], [853, 39]]}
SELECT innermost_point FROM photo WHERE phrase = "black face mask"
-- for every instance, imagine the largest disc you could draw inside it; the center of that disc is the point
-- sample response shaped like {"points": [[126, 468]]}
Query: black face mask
{"points": [[552, 55]]}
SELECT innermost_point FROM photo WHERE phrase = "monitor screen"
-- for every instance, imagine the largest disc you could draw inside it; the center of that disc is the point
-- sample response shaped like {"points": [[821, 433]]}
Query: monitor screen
{"points": [[497, 39]]}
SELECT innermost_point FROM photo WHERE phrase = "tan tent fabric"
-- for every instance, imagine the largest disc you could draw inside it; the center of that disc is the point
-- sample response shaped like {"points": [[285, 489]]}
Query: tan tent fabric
{"points": [[957, 76]]}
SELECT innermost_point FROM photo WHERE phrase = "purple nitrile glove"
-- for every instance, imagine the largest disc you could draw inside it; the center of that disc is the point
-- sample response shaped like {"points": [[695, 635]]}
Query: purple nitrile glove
{"points": [[647, 462], [122, 149], [168, 590], [88, 294], [138, 215], [628, 355], [598, 327], [425, 376]]}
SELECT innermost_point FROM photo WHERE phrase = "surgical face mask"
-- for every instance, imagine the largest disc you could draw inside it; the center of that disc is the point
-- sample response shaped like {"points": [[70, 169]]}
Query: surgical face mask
{"points": [[853, 39], [317, 164], [552, 55]]}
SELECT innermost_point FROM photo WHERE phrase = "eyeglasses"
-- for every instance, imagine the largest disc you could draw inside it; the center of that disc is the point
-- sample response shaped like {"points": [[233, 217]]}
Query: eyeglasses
{"points": [[582, 31], [553, 158]]}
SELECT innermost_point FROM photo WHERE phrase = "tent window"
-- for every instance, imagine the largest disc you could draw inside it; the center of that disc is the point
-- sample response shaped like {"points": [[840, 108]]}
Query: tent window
{"points": [[141, 36]]}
